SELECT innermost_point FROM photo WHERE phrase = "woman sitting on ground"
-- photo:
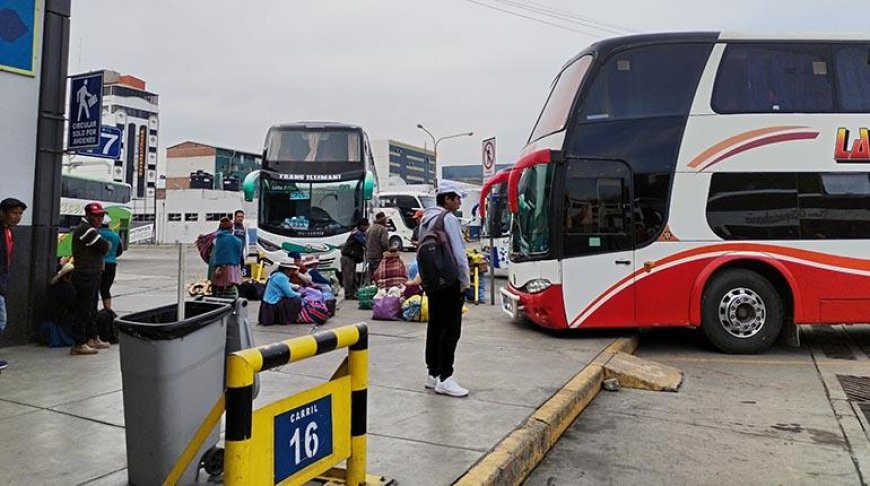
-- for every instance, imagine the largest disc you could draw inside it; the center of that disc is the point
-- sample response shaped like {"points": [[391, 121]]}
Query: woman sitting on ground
{"points": [[391, 271], [281, 304]]}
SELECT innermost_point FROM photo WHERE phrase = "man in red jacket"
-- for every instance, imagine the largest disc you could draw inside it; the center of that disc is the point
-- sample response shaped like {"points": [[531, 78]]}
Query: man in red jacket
{"points": [[11, 211]]}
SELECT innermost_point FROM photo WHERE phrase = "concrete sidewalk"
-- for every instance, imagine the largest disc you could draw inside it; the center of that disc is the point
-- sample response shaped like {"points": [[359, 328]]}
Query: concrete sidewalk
{"points": [[61, 417]]}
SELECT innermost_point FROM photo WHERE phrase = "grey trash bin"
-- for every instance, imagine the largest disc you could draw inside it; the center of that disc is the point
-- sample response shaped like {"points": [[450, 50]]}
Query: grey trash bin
{"points": [[172, 374]]}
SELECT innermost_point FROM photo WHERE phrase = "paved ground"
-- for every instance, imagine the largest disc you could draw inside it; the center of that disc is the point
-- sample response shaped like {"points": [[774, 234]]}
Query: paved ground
{"points": [[61, 417], [777, 418]]}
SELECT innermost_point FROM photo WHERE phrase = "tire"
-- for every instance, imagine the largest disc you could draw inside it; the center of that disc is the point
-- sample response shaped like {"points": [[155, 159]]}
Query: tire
{"points": [[741, 312], [213, 461], [396, 242]]}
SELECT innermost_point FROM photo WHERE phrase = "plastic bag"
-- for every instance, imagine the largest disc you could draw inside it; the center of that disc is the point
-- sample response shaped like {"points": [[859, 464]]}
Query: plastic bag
{"points": [[411, 308], [387, 309], [416, 309], [395, 292]]}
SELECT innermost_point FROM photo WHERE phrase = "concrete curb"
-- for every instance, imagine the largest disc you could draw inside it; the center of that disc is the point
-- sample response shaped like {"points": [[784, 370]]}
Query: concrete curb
{"points": [[512, 459]]}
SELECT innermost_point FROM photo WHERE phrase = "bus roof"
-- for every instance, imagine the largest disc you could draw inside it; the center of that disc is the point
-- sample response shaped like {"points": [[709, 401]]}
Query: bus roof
{"points": [[795, 36], [606, 47], [315, 125]]}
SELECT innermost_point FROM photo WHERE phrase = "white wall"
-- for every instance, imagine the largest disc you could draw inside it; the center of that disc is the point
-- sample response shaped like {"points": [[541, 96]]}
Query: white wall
{"points": [[201, 202], [19, 106]]}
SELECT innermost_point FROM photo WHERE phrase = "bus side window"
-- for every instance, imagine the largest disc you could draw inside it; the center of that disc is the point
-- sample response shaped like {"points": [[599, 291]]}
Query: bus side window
{"points": [[774, 78], [852, 63]]}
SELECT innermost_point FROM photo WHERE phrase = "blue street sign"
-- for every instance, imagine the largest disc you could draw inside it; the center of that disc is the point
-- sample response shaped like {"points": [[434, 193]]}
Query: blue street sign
{"points": [[303, 436], [85, 110], [17, 40], [110, 145]]}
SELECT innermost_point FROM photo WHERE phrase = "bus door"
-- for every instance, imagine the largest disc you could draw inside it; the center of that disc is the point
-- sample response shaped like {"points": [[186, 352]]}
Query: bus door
{"points": [[597, 243]]}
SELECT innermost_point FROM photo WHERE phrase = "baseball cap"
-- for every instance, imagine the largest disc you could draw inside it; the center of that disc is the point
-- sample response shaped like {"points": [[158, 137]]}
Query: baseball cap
{"points": [[94, 208], [447, 187], [12, 203]]}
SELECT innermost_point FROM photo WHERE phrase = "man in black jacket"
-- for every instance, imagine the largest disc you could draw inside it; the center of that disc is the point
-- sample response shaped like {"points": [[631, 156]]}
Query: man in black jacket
{"points": [[11, 211], [89, 251]]}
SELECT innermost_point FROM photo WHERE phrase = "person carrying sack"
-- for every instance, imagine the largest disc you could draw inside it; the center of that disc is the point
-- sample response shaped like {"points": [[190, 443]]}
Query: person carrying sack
{"points": [[444, 273]]}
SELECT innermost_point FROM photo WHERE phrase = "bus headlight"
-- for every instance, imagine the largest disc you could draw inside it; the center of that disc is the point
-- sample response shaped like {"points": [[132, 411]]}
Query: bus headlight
{"points": [[537, 285], [267, 245]]}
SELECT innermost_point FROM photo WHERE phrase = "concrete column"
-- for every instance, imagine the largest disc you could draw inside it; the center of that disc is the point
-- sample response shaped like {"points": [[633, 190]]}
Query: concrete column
{"points": [[33, 146]]}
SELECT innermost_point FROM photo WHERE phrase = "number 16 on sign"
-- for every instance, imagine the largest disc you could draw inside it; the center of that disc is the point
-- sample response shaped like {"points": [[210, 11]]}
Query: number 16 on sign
{"points": [[303, 436]]}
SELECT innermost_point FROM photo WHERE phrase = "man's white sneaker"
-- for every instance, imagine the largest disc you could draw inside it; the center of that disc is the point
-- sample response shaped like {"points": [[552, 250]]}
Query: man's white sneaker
{"points": [[430, 382], [450, 387]]}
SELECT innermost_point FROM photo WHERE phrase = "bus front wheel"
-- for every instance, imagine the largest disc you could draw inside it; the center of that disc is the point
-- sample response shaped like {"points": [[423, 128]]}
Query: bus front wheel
{"points": [[741, 312]]}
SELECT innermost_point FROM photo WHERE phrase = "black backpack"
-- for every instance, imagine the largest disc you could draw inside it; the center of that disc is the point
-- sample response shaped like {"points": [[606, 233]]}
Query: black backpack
{"points": [[353, 249], [105, 326], [435, 261]]}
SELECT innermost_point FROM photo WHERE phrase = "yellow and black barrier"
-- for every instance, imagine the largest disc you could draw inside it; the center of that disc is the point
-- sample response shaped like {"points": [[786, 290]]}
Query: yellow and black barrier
{"points": [[299, 438]]}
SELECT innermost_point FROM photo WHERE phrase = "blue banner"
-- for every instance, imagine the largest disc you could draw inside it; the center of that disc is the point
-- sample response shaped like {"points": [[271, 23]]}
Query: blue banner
{"points": [[85, 110], [110, 145], [17, 41]]}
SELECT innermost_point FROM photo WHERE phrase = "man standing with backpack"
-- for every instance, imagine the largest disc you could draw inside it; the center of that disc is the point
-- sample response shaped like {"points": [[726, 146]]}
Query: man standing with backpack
{"points": [[352, 253], [443, 268]]}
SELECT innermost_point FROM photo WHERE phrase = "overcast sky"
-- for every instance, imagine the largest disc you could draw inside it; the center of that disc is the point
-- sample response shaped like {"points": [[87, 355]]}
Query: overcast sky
{"points": [[227, 70]]}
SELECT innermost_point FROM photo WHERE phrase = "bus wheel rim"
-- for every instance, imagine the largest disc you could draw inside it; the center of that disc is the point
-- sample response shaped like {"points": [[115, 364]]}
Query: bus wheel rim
{"points": [[742, 312]]}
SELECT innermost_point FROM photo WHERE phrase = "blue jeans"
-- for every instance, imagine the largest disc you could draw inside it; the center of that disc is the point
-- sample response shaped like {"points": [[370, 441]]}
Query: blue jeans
{"points": [[2, 314]]}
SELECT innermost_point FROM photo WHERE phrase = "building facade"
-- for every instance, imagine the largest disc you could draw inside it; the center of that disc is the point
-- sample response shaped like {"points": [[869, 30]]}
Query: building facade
{"points": [[414, 165], [188, 213], [227, 167], [127, 105]]}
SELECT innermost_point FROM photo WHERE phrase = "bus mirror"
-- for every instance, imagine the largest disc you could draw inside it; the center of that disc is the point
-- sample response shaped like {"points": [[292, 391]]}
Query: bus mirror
{"points": [[249, 186], [369, 186]]}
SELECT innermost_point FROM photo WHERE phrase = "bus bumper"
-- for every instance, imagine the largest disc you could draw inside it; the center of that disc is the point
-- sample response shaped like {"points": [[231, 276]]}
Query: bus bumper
{"points": [[546, 308]]}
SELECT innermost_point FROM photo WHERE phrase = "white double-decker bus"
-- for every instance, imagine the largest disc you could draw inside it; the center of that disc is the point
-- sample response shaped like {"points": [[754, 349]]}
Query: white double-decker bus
{"points": [[315, 184], [709, 180]]}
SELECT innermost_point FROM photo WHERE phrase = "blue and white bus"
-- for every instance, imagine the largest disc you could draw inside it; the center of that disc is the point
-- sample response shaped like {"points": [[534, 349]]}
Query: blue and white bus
{"points": [[316, 182]]}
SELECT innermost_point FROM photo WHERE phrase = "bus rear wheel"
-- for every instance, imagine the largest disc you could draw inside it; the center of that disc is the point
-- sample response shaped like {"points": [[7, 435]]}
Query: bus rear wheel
{"points": [[741, 312]]}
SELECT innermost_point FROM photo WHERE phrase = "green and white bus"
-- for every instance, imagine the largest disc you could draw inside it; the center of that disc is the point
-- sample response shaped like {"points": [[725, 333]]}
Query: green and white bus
{"points": [[317, 181], [76, 192]]}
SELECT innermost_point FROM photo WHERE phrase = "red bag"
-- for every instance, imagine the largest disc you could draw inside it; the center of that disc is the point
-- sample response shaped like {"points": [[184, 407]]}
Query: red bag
{"points": [[313, 312], [205, 243]]}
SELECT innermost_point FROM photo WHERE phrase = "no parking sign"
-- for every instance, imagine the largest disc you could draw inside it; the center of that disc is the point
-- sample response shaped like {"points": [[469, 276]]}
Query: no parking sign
{"points": [[488, 157]]}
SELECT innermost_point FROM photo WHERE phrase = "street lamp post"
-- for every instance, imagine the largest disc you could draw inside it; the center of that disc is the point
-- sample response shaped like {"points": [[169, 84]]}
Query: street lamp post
{"points": [[436, 141]]}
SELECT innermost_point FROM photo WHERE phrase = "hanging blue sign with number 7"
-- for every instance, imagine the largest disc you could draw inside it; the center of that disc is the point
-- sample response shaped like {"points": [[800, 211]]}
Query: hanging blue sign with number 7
{"points": [[110, 145], [303, 436]]}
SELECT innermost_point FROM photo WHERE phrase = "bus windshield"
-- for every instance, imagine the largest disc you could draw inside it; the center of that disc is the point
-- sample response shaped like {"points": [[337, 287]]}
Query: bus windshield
{"points": [[301, 145], [530, 230], [305, 208], [500, 212], [554, 116]]}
